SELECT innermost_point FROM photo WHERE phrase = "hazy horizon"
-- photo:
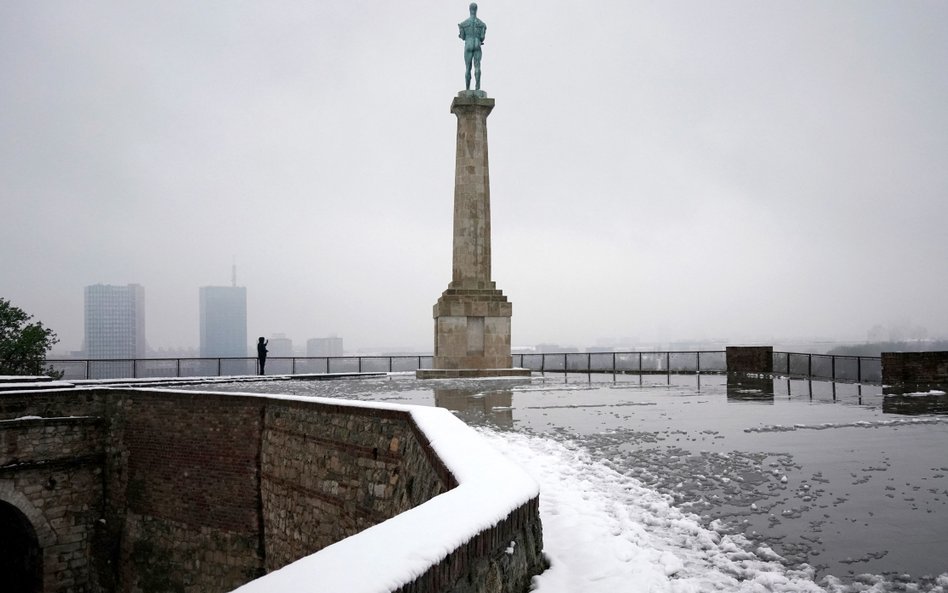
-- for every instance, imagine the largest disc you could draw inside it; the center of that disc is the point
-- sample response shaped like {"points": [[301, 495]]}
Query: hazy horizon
{"points": [[660, 171]]}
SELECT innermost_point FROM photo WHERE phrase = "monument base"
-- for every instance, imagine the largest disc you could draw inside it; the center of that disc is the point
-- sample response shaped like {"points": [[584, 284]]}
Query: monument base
{"points": [[470, 373], [472, 329]]}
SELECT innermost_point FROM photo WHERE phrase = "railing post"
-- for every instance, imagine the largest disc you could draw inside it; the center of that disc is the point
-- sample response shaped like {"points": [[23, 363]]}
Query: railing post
{"points": [[177, 367], [668, 366], [859, 370], [613, 363], [419, 363], [589, 362], [87, 370], [134, 368], [698, 362], [390, 359], [542, 362], [565, 362], [809, 365], [218, 367], [360, 364], [833, 365], [640, 364]]}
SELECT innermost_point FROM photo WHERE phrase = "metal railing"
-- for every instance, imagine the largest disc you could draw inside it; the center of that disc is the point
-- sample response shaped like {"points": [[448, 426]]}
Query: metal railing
{"points": [[671, 362], [858, 369], [850, 369], [82, 369]]}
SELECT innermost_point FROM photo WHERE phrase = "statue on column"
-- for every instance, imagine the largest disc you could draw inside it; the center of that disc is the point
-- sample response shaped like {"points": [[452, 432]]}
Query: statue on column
{"points": [[472, 32]]}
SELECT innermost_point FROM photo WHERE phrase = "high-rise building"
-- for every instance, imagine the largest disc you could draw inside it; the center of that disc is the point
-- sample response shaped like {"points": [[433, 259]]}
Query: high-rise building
{"points": [[223, 321], [280, 345], [331, 346], [115, 321]]}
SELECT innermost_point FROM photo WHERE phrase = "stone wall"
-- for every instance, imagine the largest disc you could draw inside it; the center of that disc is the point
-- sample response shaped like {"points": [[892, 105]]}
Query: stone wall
{"points": [[914, 371], [148, 491], [51, 471], [328, 476], [501, 559]]}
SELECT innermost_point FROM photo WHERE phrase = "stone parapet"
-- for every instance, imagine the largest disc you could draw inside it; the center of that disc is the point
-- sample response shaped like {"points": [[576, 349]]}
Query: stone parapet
{"points": [[488, 536], [750, 359], [135, 490], [914, 371], [330, 475]]}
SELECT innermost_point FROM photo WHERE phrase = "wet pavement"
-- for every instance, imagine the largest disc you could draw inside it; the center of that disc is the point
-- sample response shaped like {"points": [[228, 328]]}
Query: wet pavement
{"points": [[834, 475]]}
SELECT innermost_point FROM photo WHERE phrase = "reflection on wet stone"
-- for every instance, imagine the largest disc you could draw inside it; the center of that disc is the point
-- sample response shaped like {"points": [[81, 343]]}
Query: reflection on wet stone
{"points": [[750, 387], [915, 405], [474, 407]]}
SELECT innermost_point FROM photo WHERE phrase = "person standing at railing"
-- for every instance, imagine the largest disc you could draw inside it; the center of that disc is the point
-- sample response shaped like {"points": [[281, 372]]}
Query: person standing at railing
{"points": [[262, 353]]}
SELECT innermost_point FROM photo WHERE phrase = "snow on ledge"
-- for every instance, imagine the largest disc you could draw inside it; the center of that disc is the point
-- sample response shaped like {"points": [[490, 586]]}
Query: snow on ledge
{"points": [[401, 549]]}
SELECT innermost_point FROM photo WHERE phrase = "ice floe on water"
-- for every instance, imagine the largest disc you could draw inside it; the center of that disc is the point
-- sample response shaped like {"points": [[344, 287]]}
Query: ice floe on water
{"points": [[605, 531]]}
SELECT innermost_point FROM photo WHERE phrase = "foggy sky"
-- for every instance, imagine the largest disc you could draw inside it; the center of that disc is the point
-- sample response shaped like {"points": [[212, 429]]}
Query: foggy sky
{"points": [[737, 170]]}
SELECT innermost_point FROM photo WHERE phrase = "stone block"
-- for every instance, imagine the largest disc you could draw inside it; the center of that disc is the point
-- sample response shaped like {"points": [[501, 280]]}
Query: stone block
{"points": [[914, 371], [750, 359]]}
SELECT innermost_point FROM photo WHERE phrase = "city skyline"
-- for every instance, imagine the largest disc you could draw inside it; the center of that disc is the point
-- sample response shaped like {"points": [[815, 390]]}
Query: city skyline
{"points": [[659, 171]]}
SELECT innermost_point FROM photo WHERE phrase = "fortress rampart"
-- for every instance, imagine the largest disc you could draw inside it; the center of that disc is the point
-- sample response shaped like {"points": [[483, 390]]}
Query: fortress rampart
{"points": [[155, 490]]}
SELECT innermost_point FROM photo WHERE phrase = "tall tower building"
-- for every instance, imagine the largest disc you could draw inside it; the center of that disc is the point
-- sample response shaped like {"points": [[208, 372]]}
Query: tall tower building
{"points": [[115, 321], [280, 345], [331, 346], [223, 320]]}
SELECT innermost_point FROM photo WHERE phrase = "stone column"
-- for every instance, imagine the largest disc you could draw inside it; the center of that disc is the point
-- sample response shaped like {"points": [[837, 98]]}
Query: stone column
{"points": [[472, 317], [471, 269]]}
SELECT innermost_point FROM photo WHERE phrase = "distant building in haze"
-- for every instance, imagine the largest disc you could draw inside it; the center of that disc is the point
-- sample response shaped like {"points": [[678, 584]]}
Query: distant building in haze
{"points": [[279, 345], [223, 321], [115, 321], [331, 346]]}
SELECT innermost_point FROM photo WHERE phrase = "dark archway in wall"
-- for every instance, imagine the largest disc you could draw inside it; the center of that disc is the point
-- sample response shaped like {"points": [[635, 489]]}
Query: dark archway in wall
{"points": [[21, 559]]}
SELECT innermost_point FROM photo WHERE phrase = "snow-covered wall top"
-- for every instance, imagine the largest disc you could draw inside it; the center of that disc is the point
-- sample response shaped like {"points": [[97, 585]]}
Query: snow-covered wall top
{"points": [[490, 490]]}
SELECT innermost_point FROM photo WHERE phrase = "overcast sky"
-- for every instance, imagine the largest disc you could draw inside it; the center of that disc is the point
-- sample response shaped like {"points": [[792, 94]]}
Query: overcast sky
{"points": [[737, 170]]}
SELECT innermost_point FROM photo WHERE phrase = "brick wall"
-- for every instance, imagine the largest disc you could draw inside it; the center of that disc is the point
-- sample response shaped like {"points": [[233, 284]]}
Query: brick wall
{"points": [[191, 490]]}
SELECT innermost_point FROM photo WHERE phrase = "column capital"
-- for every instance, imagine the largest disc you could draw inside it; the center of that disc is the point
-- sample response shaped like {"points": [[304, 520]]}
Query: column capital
{"points": [[464, 102]]}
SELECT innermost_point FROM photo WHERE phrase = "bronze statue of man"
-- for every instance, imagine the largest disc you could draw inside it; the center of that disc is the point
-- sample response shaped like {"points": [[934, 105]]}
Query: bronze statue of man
{"points": [[473, 31]]}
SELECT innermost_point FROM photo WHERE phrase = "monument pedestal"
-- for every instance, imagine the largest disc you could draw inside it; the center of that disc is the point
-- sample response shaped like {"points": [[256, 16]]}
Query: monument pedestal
{"points": [[472, 317]]}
